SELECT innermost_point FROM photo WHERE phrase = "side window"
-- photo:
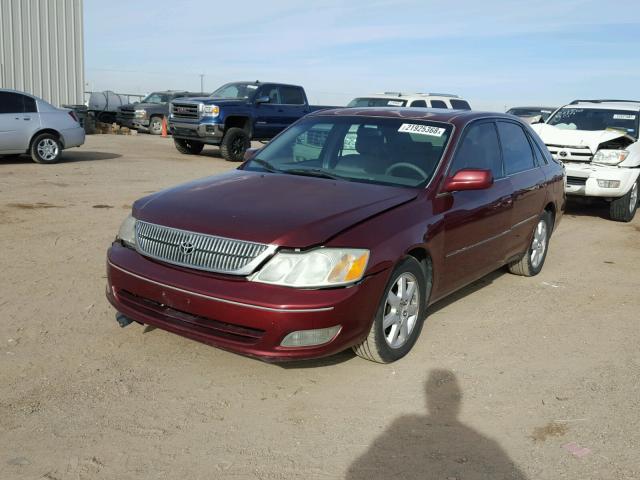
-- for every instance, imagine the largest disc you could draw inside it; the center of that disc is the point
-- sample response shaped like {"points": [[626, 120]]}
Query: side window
{"points": [[460, 104], [516, 149], [418, 103], [11, 102], [29, 105], [291, 95], [479, 149], [438, 104], [272, 92]]}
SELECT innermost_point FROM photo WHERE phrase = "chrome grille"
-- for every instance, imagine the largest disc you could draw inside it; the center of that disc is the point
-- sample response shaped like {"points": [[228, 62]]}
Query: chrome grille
{"points": [[200, 251], [185, 110], [570, 153]]}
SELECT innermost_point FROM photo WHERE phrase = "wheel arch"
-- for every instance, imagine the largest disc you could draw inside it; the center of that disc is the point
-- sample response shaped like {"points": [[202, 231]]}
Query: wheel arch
{"points": [[45, 130], [238, 121], [423, 256]]}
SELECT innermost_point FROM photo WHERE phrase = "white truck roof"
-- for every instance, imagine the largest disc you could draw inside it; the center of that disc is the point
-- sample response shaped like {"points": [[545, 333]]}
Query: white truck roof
{"points": [[630, 105]]}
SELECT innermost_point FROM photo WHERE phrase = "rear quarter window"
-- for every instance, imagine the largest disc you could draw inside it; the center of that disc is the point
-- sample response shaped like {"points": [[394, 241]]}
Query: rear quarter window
{"points": [[418, 103], [438, 104], [460, 104]]}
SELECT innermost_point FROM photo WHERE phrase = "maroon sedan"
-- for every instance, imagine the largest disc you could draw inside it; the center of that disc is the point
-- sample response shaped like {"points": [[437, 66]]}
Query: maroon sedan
{"points": [[339, 233]]}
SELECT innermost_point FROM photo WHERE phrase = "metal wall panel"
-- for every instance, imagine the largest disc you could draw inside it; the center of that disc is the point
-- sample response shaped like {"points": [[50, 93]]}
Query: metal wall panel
{"points": [[42, 48]]}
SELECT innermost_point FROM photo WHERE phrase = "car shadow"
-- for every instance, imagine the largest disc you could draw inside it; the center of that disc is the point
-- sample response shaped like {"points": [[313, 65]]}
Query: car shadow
{"points": [[435, 446], [587, 208], [68, 156]]}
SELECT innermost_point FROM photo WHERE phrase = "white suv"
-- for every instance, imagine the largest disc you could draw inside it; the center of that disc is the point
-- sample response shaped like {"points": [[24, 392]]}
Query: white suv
{"points": [[424, 100], [597, 140]]}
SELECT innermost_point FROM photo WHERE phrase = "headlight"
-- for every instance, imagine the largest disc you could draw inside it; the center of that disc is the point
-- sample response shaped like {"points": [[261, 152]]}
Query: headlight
{"points": [[141, 113], [210, 110], [127, 232], [323, 267], [610, 157]]}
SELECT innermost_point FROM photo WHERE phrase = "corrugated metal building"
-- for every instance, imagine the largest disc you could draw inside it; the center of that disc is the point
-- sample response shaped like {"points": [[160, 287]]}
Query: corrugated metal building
{"points": [[42, 48]]}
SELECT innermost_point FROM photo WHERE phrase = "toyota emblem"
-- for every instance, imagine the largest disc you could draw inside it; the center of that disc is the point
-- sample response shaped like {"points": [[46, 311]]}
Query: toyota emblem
{"points": [[186, 247], [563, 153]]}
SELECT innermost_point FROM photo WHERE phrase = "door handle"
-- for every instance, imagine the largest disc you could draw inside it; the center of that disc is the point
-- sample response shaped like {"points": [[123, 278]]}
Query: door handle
{"points": [[26, 118]]}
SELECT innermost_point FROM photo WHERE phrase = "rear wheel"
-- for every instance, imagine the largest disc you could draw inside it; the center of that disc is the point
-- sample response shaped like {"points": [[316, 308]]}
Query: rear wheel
{"points": [[155, 125], [234, 144], [532, 261], [46, 148], [623, 209], [188, 147], [399, 319]]}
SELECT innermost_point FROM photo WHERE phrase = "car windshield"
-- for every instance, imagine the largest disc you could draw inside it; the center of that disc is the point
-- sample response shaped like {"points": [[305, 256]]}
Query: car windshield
{"points": [[570, 118], [377, 102], [156, 97], [238, 91], [531, 112], [387, 151]]}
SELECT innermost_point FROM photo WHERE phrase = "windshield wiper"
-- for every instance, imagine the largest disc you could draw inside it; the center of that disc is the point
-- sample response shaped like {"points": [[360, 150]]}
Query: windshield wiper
{"points": [[266, 165], [313, 172]]}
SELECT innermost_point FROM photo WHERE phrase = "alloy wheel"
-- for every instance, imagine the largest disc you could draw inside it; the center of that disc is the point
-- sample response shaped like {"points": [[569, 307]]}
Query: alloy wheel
{"points": [[401, 310], [48, 149], [633, 198], [539, 244]]}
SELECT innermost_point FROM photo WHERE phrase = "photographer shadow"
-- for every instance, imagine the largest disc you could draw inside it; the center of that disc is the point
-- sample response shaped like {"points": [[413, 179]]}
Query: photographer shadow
{"points": [[435, 446]]}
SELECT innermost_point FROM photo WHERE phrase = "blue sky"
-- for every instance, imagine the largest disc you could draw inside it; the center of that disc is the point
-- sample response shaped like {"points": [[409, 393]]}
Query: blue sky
{"points": [[493, 53]]}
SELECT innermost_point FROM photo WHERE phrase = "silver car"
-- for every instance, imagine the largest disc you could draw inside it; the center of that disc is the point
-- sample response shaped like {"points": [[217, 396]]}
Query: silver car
{"points": [[30, 125]]}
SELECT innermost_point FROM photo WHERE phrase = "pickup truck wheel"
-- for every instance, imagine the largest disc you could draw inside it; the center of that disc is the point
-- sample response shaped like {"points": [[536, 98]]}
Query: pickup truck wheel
{"points": [[45, 148], [155, 125], [188, 147], [533, 259], [234, 143], [623, 209], [399, 318]]}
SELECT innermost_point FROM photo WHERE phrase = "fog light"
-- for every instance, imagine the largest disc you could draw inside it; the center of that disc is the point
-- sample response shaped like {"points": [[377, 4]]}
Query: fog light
{"points": [[308, 338], [608, 183]]}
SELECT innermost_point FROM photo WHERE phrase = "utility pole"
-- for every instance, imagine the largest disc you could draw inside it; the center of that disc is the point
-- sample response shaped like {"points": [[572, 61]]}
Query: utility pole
{"points": [[202, 82]]}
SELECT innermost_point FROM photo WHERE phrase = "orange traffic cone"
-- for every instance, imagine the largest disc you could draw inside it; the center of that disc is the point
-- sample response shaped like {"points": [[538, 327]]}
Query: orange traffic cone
{"points": [[164, 127]]}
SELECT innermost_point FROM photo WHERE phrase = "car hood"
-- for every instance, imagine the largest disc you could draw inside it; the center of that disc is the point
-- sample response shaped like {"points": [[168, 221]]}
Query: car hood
{"points": [[286, 210], [552, 135], [211, 101]]}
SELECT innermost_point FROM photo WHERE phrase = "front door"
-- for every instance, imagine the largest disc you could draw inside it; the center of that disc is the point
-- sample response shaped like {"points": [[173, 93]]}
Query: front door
{"points": [[269, 119], [477, 222], [18, 120]]}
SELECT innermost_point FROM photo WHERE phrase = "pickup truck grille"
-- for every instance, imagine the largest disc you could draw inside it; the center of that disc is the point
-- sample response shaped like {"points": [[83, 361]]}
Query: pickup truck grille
{"points": [[185, 110], [126, 113], [200, 251], [568, 153]]}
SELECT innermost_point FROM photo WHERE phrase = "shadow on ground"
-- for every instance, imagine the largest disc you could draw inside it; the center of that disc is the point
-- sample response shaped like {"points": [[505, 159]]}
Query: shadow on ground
{"points": [[587, 208], [436, 445], [68, 156]]}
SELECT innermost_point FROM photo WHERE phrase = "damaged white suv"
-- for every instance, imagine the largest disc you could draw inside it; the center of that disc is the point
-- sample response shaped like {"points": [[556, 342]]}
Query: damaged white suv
{"points": [[597, 140]]}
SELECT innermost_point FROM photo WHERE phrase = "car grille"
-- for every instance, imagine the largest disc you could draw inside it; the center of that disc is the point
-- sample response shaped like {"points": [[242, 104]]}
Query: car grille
{"points": [[200, 251], [127, 113], [185, 110], [568, 153], [577, 181]]}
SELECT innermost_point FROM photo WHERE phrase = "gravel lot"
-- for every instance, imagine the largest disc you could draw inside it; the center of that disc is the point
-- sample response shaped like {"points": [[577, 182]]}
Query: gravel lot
{"points": [[512, 378]]}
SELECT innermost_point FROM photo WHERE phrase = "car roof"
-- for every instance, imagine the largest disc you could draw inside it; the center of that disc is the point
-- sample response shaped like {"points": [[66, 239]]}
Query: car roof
{"points": [[412, 96], [19, 91], [444, 115], [631, 105]]}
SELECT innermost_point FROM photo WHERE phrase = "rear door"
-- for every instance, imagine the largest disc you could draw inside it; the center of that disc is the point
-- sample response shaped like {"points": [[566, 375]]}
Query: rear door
{"points": [[294, 104], [477, 221], [18, 120], [527, 180]]}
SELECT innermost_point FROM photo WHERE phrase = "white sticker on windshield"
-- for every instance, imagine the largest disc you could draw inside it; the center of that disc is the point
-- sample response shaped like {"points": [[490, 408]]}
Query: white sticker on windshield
{"points": [[619, 116], [395, 103], [421, 129], [252, 87]]}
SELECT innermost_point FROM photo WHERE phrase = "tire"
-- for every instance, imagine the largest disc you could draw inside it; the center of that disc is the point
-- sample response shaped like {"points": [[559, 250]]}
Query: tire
{"points": [[623, 209], [380, 346], [155, 125], [532, 261], [234, 143], [45, 148], [188, 147]]}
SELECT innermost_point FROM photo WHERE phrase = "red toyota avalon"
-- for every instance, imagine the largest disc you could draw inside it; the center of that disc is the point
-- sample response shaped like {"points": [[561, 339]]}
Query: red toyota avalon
{"points": [[339, 233]]}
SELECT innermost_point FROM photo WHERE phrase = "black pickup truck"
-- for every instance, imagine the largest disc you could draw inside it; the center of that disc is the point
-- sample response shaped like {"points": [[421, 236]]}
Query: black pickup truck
{"points": [[235, 114], [147, 115]]}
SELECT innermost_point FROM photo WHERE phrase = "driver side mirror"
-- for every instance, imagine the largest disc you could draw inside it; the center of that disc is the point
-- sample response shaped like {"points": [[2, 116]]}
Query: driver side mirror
{"points": [[469, 179], [263, 99]]}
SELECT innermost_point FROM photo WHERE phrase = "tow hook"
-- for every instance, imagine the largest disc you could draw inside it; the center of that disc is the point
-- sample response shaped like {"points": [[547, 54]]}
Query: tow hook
{"points": [[122, 320]]}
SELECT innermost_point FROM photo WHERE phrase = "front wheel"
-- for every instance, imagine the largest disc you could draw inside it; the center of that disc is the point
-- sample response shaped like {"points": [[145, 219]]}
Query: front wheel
{"points": [[234, 144], [532, 261], [188, 147], [46, 148], [399, 318], [623, 209], [155, 125]]}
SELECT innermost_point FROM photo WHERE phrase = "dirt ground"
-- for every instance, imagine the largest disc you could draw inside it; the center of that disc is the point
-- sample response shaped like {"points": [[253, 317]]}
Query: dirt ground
{"points": [[512, 378]]}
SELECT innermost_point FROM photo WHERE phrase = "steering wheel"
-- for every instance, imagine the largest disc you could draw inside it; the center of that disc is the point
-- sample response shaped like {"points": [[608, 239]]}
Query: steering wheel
{"points": [[408, 165]]}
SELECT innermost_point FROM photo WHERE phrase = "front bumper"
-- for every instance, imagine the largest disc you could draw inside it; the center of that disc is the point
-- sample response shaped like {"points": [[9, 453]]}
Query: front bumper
{"points": [[582, 179], [235, 314], [133, 122], [209, 133]]}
